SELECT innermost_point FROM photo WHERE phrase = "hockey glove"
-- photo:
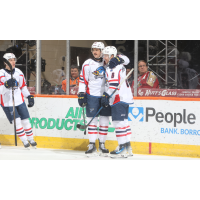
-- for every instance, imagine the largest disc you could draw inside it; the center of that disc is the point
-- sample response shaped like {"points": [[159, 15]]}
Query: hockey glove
{"points": [[115, 61], [11, 83], [105, 100], [82, 99], [30, 101]]}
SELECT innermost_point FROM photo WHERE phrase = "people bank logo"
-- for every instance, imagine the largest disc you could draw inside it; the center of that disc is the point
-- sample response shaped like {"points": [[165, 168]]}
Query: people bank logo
{"points": [[136, 114]]}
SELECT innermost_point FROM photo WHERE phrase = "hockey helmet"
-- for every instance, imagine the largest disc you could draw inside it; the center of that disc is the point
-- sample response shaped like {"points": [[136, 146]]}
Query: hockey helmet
{"points": [[110, 50], [9, 56], [98, 45]]}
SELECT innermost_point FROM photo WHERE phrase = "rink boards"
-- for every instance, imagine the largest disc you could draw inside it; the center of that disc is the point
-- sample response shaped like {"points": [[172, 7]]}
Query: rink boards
{"points": [[160, 126]]}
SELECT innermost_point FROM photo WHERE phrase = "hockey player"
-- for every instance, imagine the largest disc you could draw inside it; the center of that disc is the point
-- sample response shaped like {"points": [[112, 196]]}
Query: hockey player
{"points": [[91, 88], [119, 102], [23, 126]]}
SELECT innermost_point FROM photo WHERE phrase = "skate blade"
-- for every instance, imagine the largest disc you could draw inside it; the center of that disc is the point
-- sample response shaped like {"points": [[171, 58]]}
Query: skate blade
{"points": [[130, 155], [27, 148], [34, 147], [118, 156], [92, 155], [104, 154]]}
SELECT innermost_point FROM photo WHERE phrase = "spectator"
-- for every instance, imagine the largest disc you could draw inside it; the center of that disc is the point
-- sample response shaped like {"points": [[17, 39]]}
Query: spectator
{"points": [[146, 79], [74, 79], [187, 77]]}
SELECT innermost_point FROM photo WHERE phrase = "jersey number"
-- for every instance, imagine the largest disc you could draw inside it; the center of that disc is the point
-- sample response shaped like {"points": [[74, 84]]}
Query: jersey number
{"points": [[113, 74]]}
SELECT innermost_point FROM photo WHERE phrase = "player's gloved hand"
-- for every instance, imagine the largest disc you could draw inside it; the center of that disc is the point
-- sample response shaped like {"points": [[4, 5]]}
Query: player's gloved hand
{"points": [[30, 100], [105, 100], [115, 61], [82, 99], [11, 83]]}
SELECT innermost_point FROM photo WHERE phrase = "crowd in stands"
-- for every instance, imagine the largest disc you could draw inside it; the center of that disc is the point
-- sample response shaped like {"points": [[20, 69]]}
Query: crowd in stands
{"points": [[146, 78]]}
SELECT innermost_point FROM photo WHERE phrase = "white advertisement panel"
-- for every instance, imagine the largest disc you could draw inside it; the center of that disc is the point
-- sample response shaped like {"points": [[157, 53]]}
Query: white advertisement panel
{"points": [[53, 117], [158, 121], [163, 121]]}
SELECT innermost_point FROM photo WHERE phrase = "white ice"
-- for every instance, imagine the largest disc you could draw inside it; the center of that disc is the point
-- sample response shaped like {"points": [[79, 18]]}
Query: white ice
{"points": [[20, 153]]}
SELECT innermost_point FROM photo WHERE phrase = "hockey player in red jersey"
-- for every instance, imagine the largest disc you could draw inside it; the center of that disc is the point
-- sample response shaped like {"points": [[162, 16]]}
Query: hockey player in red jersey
{"points": [[91, 88], [23, 126], [119, 102]]}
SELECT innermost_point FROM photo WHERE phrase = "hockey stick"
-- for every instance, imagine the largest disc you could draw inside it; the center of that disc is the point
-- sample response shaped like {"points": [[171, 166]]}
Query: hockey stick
{"points": [[84, 118], [8, 63], [85, 126], [83, 104]]}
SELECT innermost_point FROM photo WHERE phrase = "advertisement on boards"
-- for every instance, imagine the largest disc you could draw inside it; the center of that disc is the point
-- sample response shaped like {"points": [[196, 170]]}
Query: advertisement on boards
{"points": [[158, 121]]}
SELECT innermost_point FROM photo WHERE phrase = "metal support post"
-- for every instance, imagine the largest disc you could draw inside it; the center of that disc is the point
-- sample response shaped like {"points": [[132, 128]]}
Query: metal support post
{"points": [[148, 51], [166, 70], [27, 63], [67, 66], [38, 67], [176, 72], [135, 67]]}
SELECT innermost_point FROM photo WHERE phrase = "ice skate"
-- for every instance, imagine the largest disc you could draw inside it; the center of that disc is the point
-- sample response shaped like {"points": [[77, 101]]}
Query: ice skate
{"points": [[92, 151], [102, 150], [119, 152], [129, 149], [33, 143], [26, 145]]}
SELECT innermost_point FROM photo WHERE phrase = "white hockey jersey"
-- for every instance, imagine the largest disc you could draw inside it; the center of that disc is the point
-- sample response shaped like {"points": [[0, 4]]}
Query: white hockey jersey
{"points": [[19, 93], [92, 77], [113, 78]]}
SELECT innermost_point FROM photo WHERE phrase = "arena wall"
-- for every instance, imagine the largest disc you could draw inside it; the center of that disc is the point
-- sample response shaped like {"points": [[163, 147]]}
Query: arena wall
{"points": [[160, 125]]}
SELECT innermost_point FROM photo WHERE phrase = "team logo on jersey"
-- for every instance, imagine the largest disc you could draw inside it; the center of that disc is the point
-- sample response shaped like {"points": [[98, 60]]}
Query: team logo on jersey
{"points": [[136, 114], [91, 109], [99, 73]]}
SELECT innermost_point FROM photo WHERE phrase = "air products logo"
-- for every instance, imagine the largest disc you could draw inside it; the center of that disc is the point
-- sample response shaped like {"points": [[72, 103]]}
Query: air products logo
{"points": [[73, 117], [136, 114]]}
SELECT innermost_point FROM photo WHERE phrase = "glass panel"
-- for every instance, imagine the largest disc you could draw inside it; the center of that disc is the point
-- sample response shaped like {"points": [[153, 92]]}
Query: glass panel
{"points": [[54, 66], [179, 70]]}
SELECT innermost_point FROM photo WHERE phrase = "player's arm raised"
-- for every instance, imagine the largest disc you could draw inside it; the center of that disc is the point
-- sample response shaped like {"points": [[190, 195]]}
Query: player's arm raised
{"points": [[125, 58]]}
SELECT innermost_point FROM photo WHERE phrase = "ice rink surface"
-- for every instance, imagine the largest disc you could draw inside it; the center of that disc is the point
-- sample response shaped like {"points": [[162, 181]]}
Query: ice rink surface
{"points": [[20, 153]]}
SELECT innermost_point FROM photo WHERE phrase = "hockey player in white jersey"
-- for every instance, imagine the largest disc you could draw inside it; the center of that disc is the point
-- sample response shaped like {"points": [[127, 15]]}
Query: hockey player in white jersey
{"points": [[23, 126], [91, 89], [119, 102]]}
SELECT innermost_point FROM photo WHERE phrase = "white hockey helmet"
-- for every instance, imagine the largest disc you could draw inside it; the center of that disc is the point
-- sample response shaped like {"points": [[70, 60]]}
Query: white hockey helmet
{"points": [[98, 45], [110, 50], [8, 56]]}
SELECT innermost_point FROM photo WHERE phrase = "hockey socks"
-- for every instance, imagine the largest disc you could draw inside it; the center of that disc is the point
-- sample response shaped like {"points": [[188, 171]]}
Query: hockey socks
{"points": [[20, 131], [120, 130], [103, 128], [28, 130], [128, 130], [92, 129], [128, 139], [103, 131]]}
